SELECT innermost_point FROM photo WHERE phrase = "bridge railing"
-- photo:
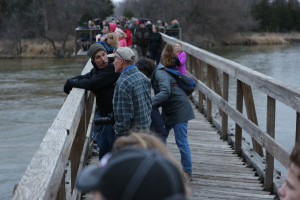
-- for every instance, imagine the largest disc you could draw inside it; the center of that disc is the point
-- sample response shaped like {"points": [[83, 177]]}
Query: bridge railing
{"points": [[62, 152], [89, 40], [205, 68]]}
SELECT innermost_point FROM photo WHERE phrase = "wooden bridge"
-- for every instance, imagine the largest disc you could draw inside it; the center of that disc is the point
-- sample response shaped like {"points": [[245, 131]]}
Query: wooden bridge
{"points": [[224, 165]]}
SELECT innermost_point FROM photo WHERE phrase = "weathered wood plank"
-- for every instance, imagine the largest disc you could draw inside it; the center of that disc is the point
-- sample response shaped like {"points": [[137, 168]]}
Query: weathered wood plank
{"points": [[239, 107], [224, 115], [251, 113], [271, 111]]}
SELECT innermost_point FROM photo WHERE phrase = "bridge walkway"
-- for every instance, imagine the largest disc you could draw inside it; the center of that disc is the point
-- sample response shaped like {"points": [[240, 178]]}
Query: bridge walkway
{"points": [[218, 173]]}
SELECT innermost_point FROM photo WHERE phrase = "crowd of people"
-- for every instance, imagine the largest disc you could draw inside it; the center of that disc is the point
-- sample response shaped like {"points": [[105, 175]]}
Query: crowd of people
{"points": [[130, 131], [122, 86], [141, 34]]}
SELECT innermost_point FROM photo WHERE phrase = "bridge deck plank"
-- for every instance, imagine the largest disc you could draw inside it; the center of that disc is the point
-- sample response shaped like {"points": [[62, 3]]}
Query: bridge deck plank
{"points": [[218, 173]]}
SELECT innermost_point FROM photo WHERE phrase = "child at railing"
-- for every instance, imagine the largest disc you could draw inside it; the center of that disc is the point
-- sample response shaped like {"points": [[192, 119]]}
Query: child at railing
{"points": [[182, 58]]}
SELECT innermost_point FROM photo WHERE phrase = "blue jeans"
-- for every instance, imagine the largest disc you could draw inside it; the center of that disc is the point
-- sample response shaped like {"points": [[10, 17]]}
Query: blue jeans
{"points": [[106, 140], [157, 124], [155, 56], [180, 130]]}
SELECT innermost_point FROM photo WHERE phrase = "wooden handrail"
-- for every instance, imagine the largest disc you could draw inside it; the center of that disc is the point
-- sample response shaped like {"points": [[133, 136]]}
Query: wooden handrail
{"points": [[247, 79], [266, 84], [46, 171]]}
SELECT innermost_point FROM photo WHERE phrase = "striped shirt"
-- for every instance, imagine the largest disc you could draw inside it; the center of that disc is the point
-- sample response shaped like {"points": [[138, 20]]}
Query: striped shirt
{"points": [[132, 102]]}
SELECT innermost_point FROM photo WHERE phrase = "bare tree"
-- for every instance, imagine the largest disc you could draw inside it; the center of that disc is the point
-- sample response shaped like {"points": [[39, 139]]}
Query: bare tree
{"points": [[211, 20]]}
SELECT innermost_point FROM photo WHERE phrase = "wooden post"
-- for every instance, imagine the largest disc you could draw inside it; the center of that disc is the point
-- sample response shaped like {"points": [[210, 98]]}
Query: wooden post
{"points": [[75, 44], [238, 129], [225, 97], [61, 194], [298, 128], [77, 148], [251, 113], [188, 66], [271, 107], [209, 84], [201, 96], [216, 83]]}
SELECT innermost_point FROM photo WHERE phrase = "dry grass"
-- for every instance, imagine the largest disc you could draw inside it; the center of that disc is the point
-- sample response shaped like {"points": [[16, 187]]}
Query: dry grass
{"points": [[33, 48], [265, 38]]}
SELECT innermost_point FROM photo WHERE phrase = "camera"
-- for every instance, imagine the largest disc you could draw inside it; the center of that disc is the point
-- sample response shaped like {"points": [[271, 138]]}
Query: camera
{"points": [[105, 120]]}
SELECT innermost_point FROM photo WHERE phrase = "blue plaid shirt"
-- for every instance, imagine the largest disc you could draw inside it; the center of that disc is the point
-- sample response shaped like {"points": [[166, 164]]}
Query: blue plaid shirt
{"points": [[132, 102]]}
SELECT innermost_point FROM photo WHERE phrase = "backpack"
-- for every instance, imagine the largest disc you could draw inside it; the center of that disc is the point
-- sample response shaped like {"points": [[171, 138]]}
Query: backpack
{"points": [[186, 83]]}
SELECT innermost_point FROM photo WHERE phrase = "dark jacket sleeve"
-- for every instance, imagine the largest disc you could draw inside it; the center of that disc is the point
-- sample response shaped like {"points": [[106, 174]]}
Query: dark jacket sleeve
{"points": [[177, 61], [96, 82]]}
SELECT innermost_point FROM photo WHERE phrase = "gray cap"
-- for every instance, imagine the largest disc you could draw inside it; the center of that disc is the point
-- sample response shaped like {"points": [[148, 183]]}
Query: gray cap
{"points": [[125, 53]]}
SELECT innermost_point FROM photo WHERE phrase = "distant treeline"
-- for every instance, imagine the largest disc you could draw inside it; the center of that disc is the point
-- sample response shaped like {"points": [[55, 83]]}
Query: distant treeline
{"points": [[51, 20], [218, 20], [278, 15]]}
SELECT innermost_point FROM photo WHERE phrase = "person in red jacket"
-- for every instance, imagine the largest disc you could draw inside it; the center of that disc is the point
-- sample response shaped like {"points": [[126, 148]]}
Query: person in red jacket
{"points": [[129, 36]]}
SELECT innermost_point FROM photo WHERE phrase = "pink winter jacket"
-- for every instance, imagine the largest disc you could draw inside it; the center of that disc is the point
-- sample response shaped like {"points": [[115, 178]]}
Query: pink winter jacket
{"points": [[122, 42], [182, 57]]}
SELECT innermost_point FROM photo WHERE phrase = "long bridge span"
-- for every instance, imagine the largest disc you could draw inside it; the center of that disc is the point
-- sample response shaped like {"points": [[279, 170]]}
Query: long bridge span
{"points": [[224, 165]]}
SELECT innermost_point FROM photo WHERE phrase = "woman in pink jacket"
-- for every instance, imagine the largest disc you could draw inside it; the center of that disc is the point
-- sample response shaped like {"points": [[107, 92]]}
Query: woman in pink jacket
{"points": [[182, 58]]}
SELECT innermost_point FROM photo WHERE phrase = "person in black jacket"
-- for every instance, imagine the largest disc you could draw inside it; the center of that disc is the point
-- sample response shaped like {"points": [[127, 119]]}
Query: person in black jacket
{"points": [[101, 81], [142, 40], [155, 44]]}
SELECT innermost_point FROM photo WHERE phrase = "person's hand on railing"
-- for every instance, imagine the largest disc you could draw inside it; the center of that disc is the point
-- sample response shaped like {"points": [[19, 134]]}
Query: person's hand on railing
{"points": [[69, 85]]}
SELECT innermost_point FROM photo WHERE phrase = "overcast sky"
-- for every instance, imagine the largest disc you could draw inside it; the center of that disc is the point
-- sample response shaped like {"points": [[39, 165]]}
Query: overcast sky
{"points": [[116, 1]]}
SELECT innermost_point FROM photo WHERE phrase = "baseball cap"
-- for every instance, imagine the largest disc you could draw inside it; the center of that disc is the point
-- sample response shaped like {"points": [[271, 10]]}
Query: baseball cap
{"points": [[134, 173], [125, 53]]}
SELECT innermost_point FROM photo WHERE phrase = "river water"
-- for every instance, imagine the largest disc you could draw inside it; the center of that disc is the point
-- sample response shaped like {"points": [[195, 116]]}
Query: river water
{"points": [[31, 94]]}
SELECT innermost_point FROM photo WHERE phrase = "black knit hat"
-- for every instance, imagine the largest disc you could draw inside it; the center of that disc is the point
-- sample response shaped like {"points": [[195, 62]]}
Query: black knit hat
{"points": [[134, 173], [94, 49]]}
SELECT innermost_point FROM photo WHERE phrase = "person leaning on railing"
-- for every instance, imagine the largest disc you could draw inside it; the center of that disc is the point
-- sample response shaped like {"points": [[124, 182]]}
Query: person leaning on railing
{"points": [[291, 189], [101, 81]]}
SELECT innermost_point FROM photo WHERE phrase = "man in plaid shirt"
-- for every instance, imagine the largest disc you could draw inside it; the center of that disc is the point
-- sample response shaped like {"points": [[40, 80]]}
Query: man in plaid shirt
{"points": [[132, 96]]}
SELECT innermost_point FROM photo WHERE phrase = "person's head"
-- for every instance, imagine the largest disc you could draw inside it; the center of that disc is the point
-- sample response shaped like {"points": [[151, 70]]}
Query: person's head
{"points": [[168, 55], [154, 29], [291, 189], [146, 66], [159, 22], [142, 24], [144, 140], [175, 21], [126, 26], [112, 40], [178, 47], [120, 34], [91, 24], [98, 55], [133, 173], [112, 27], [105, 29], [124, 57]]}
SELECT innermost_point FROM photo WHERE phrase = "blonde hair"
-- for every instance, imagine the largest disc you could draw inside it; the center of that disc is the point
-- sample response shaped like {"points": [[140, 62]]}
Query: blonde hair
{"points": [[147, 141], [114, 38], [168, 55]]}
